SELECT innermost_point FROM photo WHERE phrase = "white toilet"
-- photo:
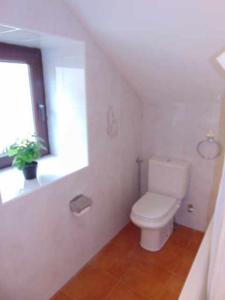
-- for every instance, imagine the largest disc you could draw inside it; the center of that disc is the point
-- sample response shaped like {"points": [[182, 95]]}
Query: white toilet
{"points": [[154, 212]]}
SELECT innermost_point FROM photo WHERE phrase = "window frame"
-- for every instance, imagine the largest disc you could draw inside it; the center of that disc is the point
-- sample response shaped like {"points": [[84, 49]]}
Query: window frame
{"points": [[33, 58]]}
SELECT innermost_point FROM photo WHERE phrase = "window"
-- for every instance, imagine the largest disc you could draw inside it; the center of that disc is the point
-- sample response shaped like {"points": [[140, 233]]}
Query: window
{"points": [[22, 96]]}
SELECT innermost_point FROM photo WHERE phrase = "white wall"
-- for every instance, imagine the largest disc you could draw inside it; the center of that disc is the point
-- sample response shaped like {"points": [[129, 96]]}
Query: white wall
{"points": [[41, 244], [173, 130], [167, 50], [185, 103]]}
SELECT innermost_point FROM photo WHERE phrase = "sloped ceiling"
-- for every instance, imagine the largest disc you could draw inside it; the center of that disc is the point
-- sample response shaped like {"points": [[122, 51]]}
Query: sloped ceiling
{"points": [[164, 48]]}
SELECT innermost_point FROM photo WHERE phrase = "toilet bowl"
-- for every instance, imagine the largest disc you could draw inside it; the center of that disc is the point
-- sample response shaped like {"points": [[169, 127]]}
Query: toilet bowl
{"points": [[154, 212]]}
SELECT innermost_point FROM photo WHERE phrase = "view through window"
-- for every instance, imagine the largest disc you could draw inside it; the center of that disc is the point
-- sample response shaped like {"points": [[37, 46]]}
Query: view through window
{"points": [[22, 97], [16, 113]]}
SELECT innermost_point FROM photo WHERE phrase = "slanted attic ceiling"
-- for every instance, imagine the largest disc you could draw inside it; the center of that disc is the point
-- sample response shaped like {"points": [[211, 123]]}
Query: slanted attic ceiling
{"points": [[164, 48]]}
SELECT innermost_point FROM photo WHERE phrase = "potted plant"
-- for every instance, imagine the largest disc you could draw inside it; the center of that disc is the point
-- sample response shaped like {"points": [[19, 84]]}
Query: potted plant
{"points": [[25, 153]]}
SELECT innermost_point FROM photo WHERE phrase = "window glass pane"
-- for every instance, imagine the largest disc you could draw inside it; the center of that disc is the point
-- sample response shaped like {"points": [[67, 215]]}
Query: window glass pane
{"points": [[16, 114]]}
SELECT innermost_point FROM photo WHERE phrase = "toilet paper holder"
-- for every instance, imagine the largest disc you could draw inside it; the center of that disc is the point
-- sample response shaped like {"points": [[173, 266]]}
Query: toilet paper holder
{"points": [[80, 204]]}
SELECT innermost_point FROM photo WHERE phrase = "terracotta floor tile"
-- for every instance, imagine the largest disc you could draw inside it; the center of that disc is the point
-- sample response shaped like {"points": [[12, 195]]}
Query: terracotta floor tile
{"points": [[89, 284], [172, 288], [61, 296], [164, 258], [195, 241], [114, 258], [147, 281], [175, 284], [186, 237], [128, 238], [120, 292], [125, 271], [181, 235], [182, 265], [172, 258]]}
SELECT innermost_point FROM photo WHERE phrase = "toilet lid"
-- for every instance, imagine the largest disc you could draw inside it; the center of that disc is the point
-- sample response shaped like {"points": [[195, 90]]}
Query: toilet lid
{"points": [[154, 206]]}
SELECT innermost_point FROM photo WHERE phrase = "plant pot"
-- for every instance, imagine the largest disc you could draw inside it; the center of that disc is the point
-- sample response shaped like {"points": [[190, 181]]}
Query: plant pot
{"points": [[30, 170]]}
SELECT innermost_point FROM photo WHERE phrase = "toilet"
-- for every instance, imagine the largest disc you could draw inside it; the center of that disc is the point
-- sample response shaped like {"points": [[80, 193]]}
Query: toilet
{"points": [[155, 211]]}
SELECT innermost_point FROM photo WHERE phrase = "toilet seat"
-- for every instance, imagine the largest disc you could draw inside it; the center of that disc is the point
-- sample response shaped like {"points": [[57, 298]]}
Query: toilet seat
{"points": [[154, 210]]}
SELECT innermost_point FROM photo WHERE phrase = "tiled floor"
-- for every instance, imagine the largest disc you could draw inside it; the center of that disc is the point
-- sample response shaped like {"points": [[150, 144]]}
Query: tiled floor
{"points": [[125, 271]]}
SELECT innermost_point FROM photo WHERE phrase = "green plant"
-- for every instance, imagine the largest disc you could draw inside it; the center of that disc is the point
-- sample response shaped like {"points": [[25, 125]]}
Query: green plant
{"points": [[25, 151]]}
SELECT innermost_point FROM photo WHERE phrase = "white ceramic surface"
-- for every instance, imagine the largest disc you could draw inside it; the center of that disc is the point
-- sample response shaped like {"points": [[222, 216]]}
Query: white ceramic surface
{"points": [[154, 212]]}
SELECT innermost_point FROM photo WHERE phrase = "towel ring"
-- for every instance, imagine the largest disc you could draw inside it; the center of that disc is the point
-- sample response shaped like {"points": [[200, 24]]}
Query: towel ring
{"points": [[209, 140]]}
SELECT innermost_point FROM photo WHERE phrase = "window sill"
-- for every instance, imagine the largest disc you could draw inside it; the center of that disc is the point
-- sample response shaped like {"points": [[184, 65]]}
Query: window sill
{"points": [[50, 169]]}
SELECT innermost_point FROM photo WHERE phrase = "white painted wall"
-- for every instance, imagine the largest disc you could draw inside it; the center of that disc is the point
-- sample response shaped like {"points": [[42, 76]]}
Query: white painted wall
{"points": [[42, 244], [173, 130], [167, 51]]}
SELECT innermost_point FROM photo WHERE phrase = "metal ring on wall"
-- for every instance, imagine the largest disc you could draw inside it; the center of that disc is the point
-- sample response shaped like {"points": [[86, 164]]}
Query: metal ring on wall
{"points": [[209, 140]]}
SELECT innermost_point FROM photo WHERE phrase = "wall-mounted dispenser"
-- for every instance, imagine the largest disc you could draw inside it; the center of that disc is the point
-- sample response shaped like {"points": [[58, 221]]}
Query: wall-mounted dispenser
{"points": [[80, 205]]}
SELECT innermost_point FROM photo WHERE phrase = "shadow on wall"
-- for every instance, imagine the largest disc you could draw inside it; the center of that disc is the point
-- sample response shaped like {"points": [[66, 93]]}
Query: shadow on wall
{"points": [[220, 69]]}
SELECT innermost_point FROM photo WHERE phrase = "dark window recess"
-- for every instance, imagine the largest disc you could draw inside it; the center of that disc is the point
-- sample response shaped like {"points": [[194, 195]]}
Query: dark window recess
{"points": [[33, 59]]}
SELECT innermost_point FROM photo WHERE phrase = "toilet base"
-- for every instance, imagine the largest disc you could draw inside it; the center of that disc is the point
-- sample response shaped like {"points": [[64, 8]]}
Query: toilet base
{"points": [[153, 239]]}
